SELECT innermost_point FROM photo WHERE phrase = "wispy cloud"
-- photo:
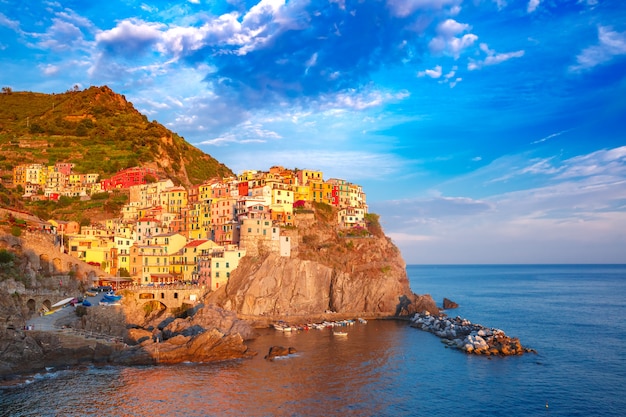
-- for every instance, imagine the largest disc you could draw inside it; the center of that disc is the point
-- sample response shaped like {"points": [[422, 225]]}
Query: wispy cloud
{"points": [[610, 44], [9, 23], [492, 58], [532, 5], [568, 215], [553, 135]]}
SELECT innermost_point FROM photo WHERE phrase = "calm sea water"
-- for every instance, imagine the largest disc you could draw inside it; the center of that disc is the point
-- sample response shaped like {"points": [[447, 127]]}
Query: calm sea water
{"points": [[574, 316]]}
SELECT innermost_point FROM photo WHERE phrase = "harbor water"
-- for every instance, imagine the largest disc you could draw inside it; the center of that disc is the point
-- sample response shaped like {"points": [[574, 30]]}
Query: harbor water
{"points": [[572, 315]]}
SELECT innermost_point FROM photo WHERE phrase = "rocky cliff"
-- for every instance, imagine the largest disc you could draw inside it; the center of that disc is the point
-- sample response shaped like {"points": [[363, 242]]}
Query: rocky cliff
{"points": [[329, 270]]}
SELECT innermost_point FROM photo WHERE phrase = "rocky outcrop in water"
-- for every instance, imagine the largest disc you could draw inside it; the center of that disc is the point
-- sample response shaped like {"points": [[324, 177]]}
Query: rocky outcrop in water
{"points": [[449, 304], [471, 338], [277, 351]]}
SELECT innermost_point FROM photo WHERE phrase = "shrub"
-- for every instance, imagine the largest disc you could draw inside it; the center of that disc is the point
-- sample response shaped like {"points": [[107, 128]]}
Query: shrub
{"points": [[6, 256], [16, 231]]}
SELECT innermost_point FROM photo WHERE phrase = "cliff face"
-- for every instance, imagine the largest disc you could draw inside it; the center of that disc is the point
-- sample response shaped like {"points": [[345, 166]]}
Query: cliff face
{"points": [[325, 273]]}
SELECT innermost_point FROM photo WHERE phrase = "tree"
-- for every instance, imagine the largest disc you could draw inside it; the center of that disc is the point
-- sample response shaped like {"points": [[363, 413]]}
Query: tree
{"points": [[7, 90]]}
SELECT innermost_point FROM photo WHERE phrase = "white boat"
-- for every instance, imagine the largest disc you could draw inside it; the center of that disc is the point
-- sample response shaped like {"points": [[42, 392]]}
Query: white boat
{"points": [[62, 303], [340, 333], [362, 320]]}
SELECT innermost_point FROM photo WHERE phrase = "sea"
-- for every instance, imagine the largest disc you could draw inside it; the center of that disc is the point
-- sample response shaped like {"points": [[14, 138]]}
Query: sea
{"points": [[574, 316]]}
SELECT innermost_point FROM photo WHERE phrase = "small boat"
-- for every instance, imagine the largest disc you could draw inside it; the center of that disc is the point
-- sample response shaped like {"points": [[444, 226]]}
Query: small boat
{"points": [[62, 303], [340, 333], [86, 303], [109, 297], [362, 320]]}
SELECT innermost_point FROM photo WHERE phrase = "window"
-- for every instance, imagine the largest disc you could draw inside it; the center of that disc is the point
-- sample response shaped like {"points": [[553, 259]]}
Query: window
{"points": [[227, 265]]}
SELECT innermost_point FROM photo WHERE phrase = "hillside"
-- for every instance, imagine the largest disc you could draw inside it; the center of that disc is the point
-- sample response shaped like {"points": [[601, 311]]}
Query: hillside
{"points": [[99, 131]]}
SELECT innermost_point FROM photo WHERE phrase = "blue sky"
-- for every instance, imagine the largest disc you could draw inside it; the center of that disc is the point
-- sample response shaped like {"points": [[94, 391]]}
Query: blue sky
{"points": [[483, 131]]}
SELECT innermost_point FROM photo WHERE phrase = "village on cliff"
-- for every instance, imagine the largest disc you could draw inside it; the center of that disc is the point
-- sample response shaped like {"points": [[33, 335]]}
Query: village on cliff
{"points": [[196, 235]]}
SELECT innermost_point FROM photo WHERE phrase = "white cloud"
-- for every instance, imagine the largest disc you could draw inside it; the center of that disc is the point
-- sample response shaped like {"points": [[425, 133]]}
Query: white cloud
{"points": [[532, 5], [447, 40], [492, 57], [610, 44], [572, 212], [49, 69], [432, 73], [130, 37], [6, 22], [553, 135], [403, 8]]}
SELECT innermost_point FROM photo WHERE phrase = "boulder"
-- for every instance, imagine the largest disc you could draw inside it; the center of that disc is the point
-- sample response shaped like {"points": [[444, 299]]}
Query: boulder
{"points": [[276, 351], [449, 304], [209, 346], [137, 336]]}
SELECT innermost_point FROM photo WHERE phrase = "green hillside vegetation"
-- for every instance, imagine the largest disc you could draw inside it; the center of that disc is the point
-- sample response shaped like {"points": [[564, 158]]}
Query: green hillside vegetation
{"points": [[99, 131]]}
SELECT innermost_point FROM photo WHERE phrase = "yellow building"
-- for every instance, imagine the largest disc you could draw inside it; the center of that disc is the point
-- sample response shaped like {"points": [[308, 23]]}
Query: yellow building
{"points": [[306, 175], [316, 191], [123, 245], [222, 265], [149, 264], [170, 242], [282, 198], [175, 199], [357, 197], [184, 263], [301, 193], [29, 173]]}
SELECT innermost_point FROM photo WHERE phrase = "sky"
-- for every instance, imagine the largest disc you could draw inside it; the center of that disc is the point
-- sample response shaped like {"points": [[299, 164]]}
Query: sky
{"points": [[482, 131]]}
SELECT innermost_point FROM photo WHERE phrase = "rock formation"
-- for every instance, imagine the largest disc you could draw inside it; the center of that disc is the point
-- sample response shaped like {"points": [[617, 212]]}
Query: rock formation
{"points": [[449, 304], [276, 351], [471, 338], [326, 272]]}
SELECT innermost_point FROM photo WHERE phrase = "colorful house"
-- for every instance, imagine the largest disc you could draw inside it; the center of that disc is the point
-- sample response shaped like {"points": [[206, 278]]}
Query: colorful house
{"points": [[128, 177]]}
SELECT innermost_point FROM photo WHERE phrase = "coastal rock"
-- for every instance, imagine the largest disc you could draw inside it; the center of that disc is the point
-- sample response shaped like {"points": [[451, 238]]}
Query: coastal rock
{"points": [[468, 337], [137, 336], [20, 352], [449, 304], [209, 346], [328, 270], [280, 286], [276, 351]]}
